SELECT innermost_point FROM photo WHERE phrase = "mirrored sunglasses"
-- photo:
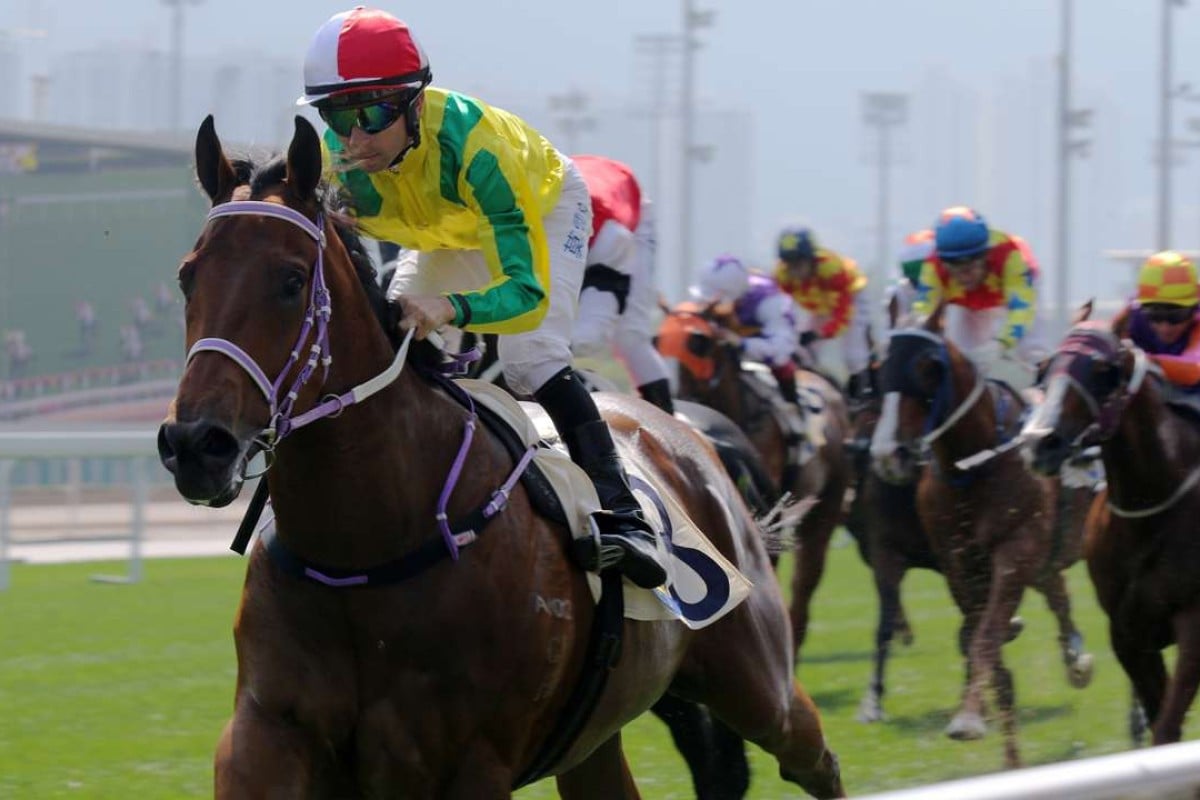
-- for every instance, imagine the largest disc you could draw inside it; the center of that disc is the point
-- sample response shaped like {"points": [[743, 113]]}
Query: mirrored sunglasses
{"points": [[370, 119]]}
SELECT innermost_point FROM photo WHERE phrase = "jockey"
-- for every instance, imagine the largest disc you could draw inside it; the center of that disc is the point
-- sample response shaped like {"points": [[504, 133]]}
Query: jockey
{"points": [[496, 222], [988, 279], [1163, 320], [764, 315], [619, 294], [830, 287], [899, 298]]}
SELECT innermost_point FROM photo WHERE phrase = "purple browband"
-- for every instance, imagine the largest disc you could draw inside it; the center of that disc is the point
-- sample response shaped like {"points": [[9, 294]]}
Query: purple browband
{"points": [[319, 312]]}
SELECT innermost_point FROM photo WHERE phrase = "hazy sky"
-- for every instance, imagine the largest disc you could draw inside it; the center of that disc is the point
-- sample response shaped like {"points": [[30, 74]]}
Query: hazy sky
{"points": [[798, 66]]}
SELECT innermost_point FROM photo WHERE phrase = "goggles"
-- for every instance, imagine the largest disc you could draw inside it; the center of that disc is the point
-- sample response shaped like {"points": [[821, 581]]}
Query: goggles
{"points": [[956, 264], [1167, 314], [370, 119]]}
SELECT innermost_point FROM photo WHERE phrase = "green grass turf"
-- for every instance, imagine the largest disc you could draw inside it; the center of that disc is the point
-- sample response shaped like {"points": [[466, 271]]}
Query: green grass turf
{"points": [[113, 691]]}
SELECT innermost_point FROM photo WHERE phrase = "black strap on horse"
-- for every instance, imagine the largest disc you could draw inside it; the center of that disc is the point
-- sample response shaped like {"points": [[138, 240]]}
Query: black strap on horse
{"points": [[246, 529], [604, 650]]}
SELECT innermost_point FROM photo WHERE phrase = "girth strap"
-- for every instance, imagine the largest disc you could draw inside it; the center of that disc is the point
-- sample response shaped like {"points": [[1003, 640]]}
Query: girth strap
{"points": [[604, 650]]}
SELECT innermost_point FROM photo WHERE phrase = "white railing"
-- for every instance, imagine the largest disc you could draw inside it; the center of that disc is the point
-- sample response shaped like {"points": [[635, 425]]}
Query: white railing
{"points": [[1168, 771], [137, 444]]}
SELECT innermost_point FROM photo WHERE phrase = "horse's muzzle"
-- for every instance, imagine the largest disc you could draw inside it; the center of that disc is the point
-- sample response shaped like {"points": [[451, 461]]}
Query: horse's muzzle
{"points": [[204, 458], [1045, 453], [897, 466]]}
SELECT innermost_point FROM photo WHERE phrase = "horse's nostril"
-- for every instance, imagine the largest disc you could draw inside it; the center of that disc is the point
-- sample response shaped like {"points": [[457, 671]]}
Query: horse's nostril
{"points": [[196, 441], [217, 443]]}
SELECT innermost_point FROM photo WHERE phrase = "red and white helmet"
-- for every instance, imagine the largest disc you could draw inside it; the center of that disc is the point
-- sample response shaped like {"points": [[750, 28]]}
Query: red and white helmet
{"points": [[359, 50]]}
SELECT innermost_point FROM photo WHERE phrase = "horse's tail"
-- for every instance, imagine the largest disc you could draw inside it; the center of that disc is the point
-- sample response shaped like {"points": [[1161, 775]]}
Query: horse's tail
{"points": [[777, 527]]}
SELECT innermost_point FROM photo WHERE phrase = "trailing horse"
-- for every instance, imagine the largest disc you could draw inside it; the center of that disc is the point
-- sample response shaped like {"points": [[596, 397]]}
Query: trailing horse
{"points": [[804, 454], [415, 624], [1141, 547], [996, 528], [883, 520]]}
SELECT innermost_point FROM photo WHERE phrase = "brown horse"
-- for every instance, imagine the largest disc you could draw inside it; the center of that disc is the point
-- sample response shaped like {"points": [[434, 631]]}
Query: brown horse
{"points": [[883, 520], [1141, 546], [996, 529], [382, 650], [711, 373]]}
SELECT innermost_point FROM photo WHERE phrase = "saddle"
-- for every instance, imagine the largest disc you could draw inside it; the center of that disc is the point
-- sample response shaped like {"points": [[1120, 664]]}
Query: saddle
{"points": [[803, 425], [698, 574]]}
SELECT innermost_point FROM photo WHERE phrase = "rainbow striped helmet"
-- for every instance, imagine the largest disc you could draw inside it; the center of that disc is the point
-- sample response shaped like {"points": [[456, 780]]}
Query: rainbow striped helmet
{"points": [[917, 248], [1170, 278]]}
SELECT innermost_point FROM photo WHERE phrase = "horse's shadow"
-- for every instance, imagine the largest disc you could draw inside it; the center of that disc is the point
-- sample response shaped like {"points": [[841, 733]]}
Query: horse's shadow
{"points": [[840, 657], [834, 700], [933, 721]]}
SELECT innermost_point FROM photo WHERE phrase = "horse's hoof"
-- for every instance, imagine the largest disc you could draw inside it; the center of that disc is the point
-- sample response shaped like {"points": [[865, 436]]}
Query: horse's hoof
{"points": [[1079, 671], [906, 637], [870, 709], [966, 726], [1015, 626]]}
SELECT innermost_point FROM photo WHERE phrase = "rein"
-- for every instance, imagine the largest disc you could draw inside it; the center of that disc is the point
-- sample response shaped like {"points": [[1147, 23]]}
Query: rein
{"points": [[282, 423]]}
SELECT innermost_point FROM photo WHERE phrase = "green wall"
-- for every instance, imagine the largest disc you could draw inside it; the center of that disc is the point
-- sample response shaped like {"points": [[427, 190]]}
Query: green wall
{"points": [[71, 237]]}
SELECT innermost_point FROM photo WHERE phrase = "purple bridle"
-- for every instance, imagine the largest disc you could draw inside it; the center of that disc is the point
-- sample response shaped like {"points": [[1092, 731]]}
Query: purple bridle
{"points": [[1097, 344], [318, 314]]}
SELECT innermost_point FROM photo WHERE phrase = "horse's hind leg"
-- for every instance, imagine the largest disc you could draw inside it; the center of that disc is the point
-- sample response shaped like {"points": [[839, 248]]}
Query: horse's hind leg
{"points": [[816, 529], [1079, 663], [604, 775], [1181, 688], [715, 755]]}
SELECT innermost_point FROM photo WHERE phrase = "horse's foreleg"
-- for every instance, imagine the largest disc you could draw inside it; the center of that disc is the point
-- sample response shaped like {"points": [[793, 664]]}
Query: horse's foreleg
{"points": [[888, 572], [1146, 670], [1079, 663], [262, 756], [816, 529], [604, 775], [1006, 701], [715, 755], [1181, 688], [984, 653]]}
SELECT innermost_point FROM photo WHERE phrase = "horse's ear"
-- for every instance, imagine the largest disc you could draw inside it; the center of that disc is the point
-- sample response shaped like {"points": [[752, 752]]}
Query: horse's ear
{"points": [[933, 323], [1120, 323], [213, 169], [1084, 312], [304, 160]]}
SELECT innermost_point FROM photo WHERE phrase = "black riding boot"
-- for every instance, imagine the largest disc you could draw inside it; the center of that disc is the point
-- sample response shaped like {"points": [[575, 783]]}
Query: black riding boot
{"points": [[623, 531], [854, 386], [659, 393]]}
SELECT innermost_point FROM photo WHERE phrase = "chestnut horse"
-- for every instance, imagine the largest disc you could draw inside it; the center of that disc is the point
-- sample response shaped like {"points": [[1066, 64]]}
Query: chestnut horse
{"points": [[445, 677], [996, 528], [1141, 546], [711, 373]]}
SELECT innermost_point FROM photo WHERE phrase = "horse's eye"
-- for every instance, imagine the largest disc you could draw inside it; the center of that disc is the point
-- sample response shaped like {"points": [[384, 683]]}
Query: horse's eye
{"points": [[699, 344], [293, 285], [187, 280]]}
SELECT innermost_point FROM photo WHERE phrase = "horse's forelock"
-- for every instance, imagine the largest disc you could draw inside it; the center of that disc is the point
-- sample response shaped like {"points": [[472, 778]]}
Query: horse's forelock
{"points": [[262, 178]]}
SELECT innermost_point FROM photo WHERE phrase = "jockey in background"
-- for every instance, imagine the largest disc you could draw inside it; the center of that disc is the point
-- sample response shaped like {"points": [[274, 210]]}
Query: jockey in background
{"points": [[495, 221], [764, 317], [989, 280], [1163, 320], [830, 287], [619, 294], [901, 295]]}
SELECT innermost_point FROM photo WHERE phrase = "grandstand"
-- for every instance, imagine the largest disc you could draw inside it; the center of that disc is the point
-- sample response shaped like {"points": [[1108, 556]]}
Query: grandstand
{"points": [[98, 221]]}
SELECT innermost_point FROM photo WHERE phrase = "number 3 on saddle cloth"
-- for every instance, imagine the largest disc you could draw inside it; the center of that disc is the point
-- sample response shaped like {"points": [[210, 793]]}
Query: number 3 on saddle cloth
{"points": [[702, 585]]}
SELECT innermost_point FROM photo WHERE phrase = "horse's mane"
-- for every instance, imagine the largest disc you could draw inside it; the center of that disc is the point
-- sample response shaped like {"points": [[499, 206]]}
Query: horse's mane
{"points": [[262, 176]]}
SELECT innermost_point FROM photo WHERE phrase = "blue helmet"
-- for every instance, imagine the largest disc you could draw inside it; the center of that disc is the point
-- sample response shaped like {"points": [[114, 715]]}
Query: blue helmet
{"points": [[960, 232], [796, 244]]}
